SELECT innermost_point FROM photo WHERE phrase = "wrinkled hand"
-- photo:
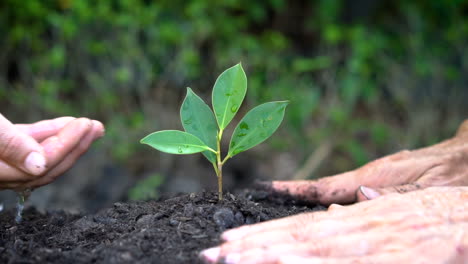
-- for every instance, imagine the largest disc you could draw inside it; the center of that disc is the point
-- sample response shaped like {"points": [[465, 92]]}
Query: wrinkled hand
{"points": [[424, 226], [443, 164], [32, 155]]}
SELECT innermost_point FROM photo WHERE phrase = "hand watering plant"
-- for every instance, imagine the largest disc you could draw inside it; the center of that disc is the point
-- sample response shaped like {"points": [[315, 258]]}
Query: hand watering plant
{"points": [[204, 130]]}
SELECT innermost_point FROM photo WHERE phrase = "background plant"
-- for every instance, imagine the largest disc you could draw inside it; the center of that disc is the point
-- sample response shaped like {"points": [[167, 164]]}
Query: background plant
{"points": [[365, 78], [204, 130]]}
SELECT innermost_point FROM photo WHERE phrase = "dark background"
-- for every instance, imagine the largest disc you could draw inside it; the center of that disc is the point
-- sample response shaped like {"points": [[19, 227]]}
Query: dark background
{"points": [[365, 78]]}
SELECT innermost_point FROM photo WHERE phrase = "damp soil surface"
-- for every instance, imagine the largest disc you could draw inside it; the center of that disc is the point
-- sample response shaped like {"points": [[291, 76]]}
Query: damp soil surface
{"points": [[170, 230]]}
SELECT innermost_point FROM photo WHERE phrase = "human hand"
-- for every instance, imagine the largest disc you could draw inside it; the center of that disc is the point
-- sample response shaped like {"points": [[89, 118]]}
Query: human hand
{"points": [[424, 226], [443, 164], [32, 155]]}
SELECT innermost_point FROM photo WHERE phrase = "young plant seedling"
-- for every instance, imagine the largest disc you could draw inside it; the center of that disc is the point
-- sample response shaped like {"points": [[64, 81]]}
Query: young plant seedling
{"points": [[204, 130]]}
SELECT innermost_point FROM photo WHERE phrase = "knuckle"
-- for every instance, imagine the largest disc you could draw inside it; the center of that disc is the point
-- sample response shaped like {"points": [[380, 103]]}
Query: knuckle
{"points": [[399, 189], [452, 159], [9, 145], [400, 155]]}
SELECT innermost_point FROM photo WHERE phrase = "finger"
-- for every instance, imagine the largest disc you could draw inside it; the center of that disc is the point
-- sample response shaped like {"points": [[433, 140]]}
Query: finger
{"points": [[327, 233], [393, 204], [335, 189], [378, 234], [365, 193], [11, 185], [44, 129], [96, 132], [335, 212], [12, 178], [354, 245], [58, 146], [381, 258], [392, 170], [20, 150], [8, 173]]}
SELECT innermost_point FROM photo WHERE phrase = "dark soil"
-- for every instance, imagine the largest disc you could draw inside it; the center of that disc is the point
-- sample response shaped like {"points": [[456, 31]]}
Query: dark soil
{"points": [[168, 231]]}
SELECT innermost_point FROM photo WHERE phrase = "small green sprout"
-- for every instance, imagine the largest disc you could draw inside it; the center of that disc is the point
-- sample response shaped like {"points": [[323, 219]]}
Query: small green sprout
{"points": [[204, 130]]}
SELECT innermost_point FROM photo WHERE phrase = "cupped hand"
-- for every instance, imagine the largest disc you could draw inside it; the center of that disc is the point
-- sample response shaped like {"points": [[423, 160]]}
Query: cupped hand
{"points": [[32, 155], [443, 164], [424, 226]]}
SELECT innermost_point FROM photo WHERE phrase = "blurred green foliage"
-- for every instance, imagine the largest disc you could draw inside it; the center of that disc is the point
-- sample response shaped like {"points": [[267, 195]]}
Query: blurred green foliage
{"points": [[146, 188], [371, 76]]}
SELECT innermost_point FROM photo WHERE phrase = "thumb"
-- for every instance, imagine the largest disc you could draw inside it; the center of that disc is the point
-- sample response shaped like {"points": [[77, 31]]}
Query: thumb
{"points": [[20, 150], [365, 193]]}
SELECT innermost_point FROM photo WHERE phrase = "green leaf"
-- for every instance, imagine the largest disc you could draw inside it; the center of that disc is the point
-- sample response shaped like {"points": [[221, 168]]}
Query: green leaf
{"points": [[175, 142], [198, 120], [256, 126], [228, 93]]}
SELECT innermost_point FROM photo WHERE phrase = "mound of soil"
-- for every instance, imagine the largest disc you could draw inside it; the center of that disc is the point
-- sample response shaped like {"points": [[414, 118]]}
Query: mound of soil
{"points": [[174, 230]]}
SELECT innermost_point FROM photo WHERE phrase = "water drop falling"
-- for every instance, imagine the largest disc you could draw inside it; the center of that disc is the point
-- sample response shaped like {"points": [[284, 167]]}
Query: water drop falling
{"points": [[22, 198], [234, 108], [1, 207]]}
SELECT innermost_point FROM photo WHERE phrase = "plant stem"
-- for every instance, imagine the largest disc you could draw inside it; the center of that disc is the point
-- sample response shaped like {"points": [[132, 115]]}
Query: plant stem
{"points": [[220, 181], [219, 171], [225, 159]]}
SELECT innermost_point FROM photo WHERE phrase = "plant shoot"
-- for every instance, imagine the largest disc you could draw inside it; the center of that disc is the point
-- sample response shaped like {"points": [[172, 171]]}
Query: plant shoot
{"points": [[204, 128]]}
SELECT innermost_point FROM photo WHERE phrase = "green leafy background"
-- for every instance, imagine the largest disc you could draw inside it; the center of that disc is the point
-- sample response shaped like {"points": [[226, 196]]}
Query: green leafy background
{"points": [[364, 79]]}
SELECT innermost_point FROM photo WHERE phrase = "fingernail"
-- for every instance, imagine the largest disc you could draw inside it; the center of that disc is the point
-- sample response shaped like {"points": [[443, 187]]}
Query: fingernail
{"points": [[101, 131], [232, 258], [368, 192], [35, 163], [211, 255]]}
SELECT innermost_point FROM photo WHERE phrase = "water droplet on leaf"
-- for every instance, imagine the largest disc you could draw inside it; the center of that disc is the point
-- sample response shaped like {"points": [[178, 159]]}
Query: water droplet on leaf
{"points": [[188, 121], [234, 108], [241, 134], [244, 125], [180, 150]]}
